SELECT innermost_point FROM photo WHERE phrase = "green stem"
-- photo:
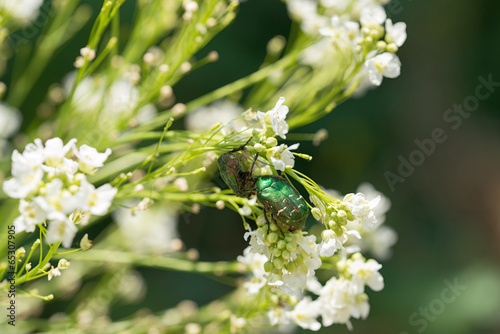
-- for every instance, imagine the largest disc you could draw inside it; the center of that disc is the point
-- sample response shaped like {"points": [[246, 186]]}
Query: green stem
{"points": [[28, 276], [102, 255]]}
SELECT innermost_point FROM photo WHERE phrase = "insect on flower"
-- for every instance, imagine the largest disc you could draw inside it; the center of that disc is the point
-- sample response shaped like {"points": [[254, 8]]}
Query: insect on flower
{"points": [[278, 197]]}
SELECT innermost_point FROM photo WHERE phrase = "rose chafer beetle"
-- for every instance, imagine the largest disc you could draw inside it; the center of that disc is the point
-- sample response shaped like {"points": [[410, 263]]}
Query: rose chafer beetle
{"points": [[278, 197], [234, 173], [286, 205]]}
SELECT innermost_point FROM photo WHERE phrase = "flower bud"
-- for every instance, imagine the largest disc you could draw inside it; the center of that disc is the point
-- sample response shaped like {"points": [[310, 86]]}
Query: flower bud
{"points": [[291, 246], [268, 266], [316, 213], [342, 217], [276, 252], [272, 237], [281, 244], [278, 263], [271, 142]]}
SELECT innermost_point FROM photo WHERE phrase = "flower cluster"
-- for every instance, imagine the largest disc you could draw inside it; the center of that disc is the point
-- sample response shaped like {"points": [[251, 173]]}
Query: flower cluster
{"points": [[291, 257], [344, 219], [54, 188], [264, 127], [341, 298], [359, 29], [283, 263], [376, 238]]}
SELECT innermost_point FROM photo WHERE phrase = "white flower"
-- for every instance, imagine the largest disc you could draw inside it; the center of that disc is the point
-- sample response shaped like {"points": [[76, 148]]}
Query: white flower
{"points": [[331, 243], [89, 158], [32, 214], [305, 313], [370, 194], [257, 243], [203, 119], [340, 32], [395, 33], [362, 209], [373, 15], [255, 263], [276, 118], [278, 317], [60, 229], [380, 242], [383, 65], [55, 151], [306, 12], [366, 273], [97, 201], [53, 272], [281, 157], [57, 198], [25, 181], [153, 231], [340, 300], [23, 11]]}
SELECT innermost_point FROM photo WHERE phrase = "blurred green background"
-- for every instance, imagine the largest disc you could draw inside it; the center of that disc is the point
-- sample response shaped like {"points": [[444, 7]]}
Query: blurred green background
{"points": [[447, 212]]}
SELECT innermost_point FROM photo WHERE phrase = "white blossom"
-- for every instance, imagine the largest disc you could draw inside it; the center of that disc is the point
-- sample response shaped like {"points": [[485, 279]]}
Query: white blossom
{"points": [[331, 242], [278, 317], [281, 156], [383, 65], [97, 201], [61, 228], [57, 198], [32, 214], [55, 151], [305, 313], [276, 118], [340, 300], [255, 262], [395, 33], [379, 242], [89, 158], [366, 273], [53, 272], [25, 182], [373, 15], [362, 209]]}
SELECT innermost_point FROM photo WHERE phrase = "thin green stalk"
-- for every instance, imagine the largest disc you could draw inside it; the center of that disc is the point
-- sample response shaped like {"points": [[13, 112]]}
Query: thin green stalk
{"points": [[175, 264]]}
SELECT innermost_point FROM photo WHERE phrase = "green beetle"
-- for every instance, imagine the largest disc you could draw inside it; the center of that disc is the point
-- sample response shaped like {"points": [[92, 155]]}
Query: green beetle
{"points": [[287, 206], [234, 173]]}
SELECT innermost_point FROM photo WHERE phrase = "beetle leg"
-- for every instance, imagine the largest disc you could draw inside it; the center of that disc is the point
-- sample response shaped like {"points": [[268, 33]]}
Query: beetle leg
{"points": [[269, 224], [242, 147]]}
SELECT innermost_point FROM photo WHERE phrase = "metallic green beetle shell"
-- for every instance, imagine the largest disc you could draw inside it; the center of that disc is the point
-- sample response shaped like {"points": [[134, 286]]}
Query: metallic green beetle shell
{"points": [[235, 175], [278, 197]]}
